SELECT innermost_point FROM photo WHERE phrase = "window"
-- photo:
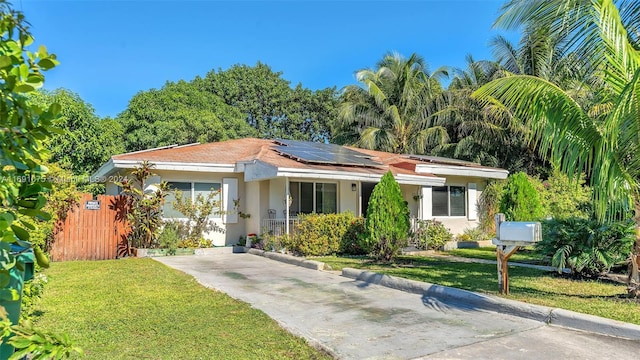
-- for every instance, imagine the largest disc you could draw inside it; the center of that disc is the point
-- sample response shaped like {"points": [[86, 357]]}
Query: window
{"points": [[308, 197], [191, 191], [448, 201]]}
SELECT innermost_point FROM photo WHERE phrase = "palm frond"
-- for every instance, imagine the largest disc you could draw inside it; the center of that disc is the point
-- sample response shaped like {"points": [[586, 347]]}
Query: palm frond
{"points": [[557, 123]]}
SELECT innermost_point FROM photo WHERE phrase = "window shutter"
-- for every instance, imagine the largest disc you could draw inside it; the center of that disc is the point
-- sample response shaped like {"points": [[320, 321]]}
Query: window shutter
{"points": [[229, 194], [472, 196]]}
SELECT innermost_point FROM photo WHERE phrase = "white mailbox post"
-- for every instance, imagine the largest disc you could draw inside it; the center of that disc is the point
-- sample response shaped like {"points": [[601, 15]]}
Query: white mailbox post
{"points": [[510, 236]]}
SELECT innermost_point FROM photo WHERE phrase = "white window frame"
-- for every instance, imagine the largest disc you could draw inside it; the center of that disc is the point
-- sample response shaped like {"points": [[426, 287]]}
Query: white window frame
{"points": [[193, 195], [466, 194]]}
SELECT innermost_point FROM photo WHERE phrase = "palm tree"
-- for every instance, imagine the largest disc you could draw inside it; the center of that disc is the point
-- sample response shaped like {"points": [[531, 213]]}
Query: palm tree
{"points": [[481, 132], [600, 138], [392, 109]]}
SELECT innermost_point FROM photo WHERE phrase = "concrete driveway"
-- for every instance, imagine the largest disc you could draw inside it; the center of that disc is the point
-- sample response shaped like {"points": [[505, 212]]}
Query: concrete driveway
{"points": [[357, 320]]}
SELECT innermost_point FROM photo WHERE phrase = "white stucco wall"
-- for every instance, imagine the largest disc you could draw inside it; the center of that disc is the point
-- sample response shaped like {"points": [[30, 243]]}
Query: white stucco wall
{"points": [[232, 232], [348, 200], [456, 224], [408, 192], [251, 200], [259, 196], [277, 196]]}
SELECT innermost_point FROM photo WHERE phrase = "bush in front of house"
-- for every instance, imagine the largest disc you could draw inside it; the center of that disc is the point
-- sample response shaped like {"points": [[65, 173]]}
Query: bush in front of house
{"points": [[586, 246], [521, 200], [387, 223], [325, 234], [564, 198], [430, 235], [350, 244], [169, 238]]}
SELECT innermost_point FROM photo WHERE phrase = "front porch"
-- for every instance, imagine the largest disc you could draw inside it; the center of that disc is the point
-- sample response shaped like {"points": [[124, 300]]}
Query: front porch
{"points": [[277, 202]]}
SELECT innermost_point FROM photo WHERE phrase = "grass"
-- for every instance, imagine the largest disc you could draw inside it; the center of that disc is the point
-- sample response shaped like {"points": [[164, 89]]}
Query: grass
{"points": [[529, 285], [527, 256], [141, 309]]}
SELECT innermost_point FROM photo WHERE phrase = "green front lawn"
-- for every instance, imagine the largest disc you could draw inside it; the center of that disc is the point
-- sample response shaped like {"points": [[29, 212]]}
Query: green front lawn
{"points": [[527, 256], [528, 285], [141, 309]]}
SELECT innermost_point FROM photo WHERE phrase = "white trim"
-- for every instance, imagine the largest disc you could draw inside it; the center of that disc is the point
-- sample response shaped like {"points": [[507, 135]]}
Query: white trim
{"points": [[353, 176], [229, 194], [114, 164], [490, 173], [472, 201], [104, 170]]}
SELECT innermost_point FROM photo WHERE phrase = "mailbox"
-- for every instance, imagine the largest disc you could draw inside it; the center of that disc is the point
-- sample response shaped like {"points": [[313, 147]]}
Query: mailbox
{"points": [[518, 233], [510, 236]]}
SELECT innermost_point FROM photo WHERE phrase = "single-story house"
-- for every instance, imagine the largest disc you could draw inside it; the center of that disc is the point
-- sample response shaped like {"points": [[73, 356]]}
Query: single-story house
{"points": [[272, 181]]}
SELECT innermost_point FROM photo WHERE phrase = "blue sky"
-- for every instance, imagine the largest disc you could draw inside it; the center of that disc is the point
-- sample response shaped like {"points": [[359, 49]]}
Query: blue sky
{"points": [[110, 50]]}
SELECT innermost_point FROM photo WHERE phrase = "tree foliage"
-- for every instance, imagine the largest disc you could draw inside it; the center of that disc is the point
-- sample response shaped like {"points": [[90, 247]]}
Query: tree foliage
{"points": [[483, 133], [179, 113], [87, 141], [393, 109], [520, 200], [563, 197], [270, 105], [598, 137], [23, 127], [387, 224]]}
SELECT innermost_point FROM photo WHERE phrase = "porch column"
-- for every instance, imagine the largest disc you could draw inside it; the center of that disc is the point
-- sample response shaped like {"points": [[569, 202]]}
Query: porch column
{"points": [[286, 203], [360, 205], [425, 203]]}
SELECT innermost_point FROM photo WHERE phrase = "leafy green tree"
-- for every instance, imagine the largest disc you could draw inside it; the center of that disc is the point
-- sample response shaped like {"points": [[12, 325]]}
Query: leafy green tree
{"points": [[394, 108], [520, 200], [23, 127], [564, 197], [270, 105], [601, 139], [179, 113], [387, 224], [87, 141]]}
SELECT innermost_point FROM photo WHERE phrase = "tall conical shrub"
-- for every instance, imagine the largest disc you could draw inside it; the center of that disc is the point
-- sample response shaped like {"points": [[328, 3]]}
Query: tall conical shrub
{"points": [[387, 224], [520, 200]]}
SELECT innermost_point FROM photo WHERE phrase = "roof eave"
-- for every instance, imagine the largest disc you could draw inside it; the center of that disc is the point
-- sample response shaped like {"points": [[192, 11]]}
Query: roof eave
{"points": [[488, 173], [113, 165], [354, 176]]}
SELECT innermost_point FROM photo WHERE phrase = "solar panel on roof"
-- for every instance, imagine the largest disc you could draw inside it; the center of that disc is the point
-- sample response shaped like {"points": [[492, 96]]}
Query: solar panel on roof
{"points": [[320, 153]]}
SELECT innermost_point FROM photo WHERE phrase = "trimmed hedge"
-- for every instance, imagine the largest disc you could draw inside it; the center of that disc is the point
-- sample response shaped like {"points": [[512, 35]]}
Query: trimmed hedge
{"points": [[327, 234]]}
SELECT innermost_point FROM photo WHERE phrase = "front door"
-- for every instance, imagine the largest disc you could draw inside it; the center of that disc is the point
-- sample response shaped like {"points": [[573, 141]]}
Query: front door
{"points": [[367, 189]]}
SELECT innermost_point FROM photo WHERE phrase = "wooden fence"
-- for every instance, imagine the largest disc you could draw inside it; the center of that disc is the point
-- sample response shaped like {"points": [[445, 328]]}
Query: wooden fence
{"points": [[94, 229]]}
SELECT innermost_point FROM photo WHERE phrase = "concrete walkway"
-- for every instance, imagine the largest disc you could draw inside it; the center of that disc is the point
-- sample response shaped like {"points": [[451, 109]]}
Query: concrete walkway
{"points": [[357, 320]]}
